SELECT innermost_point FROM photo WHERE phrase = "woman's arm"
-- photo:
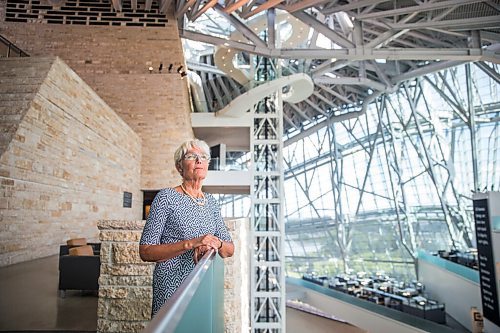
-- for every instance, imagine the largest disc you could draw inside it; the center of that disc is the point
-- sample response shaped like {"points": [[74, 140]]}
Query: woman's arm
{"points": [[226, 249], [162, 252]]}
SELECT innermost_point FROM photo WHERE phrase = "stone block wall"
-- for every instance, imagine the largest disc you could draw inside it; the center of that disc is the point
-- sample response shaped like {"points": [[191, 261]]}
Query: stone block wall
{"points": [[66, 159], [114, 61], [154, 106], [125, 291], [125, 282], [237, 278]]}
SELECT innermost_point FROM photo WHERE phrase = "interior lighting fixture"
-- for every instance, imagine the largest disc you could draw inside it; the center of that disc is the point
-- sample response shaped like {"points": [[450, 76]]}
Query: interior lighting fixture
{"points": [[150, 69], [179, 69], [170, 68]]}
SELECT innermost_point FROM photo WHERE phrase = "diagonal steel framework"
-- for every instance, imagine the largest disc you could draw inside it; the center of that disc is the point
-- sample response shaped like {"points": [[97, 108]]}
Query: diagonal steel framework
{"points": [[383, 43], [406, 143]]}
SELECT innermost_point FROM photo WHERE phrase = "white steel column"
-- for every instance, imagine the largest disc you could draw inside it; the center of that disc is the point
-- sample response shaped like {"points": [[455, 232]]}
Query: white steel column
{"points": [[268, 303]]}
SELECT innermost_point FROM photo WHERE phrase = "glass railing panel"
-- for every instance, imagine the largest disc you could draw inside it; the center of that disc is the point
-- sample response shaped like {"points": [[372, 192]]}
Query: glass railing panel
{"points": [[198, 304], [205, 312], [463, 271]]}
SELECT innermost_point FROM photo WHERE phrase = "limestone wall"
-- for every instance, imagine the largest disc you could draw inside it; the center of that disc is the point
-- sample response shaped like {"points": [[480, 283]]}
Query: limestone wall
{"points": [[125, 281], [67, 159], [237, 278], [114, 61], [125, 291]]}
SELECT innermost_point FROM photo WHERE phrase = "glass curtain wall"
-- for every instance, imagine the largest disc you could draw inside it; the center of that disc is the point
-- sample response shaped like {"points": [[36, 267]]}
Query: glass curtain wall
{"points": [[367, 193]]}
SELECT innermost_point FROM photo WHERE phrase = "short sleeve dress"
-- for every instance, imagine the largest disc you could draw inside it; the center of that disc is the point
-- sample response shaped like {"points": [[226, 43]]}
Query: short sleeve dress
{"points": [[174, 217]]}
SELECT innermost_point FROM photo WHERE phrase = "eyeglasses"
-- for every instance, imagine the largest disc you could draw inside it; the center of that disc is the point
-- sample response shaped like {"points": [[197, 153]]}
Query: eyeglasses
{"points": [[193, 157]]}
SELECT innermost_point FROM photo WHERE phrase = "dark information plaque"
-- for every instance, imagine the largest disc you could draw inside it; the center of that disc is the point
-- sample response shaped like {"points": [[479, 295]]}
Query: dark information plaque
{"points": [[489, 296]]}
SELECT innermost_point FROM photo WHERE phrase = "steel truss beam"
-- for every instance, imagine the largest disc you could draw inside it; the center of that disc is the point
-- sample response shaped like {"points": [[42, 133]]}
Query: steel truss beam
{"points": [[267, 270], [407, 126]]}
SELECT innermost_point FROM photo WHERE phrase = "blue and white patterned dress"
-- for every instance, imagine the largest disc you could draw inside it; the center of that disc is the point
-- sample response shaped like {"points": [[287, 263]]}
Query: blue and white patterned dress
{"points": [[174, 217]]}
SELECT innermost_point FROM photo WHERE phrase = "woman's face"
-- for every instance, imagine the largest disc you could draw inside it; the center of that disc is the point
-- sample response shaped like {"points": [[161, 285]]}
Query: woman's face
{"points": [[193, 166]]}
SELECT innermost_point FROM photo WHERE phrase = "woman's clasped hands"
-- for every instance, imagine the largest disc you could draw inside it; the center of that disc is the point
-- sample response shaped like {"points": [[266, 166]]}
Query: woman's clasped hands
{"points": [[203, 244]]}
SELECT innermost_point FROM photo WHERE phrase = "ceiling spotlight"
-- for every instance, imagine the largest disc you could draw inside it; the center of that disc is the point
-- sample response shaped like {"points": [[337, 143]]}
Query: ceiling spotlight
{"points": [[150, 69], [180, 69]]}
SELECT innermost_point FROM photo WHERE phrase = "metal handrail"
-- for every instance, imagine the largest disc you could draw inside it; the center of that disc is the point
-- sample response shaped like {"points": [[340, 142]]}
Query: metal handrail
{"points": [[11, 46], [168, 317]]}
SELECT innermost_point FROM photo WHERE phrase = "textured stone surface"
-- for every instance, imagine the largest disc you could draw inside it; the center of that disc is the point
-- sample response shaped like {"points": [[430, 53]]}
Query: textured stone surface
{"points": [[113, 292], [126, 253], [120, 224], [112, 326], [114, 61], [142, 292], [237, 279], [126, 281], [127, 269], [124, 309], [67, 165], [120, 235], [106, 253]]}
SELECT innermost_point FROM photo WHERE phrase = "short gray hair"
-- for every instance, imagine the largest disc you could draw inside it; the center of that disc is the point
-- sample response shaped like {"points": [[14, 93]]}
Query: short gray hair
{"points": [[190, 144]]}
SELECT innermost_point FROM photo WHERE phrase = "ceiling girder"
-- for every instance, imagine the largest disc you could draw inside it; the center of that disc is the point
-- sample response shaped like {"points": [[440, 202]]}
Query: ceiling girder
{"points": [[271, 22], [316, 107], [415, 41], [493, 5], [231, 6], [301, 5], [352, 81], [385, 38], [164, 4], [241, 27], [300, 112], [334, 93], [183, 7], [324, 99], [249, 10], [479, 23], [490, 71], [424, 6], [201, 10], [434, 67], [352, 5], [466, 54], [323, 29], [380, 73]]}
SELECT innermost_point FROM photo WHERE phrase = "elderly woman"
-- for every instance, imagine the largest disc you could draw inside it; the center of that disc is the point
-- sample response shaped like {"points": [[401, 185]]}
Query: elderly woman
{"points": [[183, 224]]}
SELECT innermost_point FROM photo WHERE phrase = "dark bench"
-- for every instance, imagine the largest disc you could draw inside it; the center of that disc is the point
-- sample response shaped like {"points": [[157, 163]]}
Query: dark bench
{"points": [[79, 272]]}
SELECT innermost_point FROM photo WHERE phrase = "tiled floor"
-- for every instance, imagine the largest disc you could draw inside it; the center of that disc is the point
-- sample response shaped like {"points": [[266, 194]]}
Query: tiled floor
{"points": [[29, 300]]}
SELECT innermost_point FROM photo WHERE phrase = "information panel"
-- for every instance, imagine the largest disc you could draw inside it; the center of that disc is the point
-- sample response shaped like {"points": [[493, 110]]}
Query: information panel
{"points": [[489, 296]]}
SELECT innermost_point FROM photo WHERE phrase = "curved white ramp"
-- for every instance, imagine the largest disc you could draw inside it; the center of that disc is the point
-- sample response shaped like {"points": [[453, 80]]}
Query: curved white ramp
{"points": [[199, 100], [300, 86], [297, 33]]}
